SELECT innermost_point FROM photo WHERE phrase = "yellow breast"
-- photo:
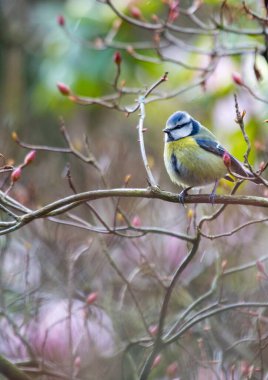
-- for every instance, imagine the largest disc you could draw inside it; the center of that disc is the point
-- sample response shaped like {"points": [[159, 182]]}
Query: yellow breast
{"points": [[190, 165]]}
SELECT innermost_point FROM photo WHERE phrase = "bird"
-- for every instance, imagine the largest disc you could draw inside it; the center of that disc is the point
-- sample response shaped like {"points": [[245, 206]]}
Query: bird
{"points": [[193, 156]]}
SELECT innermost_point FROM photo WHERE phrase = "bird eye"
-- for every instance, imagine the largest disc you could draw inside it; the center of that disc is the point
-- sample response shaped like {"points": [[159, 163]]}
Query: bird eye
{"points": [[181, 125]]}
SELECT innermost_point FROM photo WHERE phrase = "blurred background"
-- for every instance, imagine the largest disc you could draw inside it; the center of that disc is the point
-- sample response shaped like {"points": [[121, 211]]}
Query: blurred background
{"points": [[48, 270]]}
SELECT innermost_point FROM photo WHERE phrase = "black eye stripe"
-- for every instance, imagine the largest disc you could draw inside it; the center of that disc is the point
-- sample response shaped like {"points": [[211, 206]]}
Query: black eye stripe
{"points": [[181, 125]]}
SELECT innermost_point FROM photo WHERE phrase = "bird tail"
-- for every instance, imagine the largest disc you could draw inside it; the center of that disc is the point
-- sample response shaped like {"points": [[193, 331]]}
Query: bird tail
{"points": [[237, 168], [254, 178]]}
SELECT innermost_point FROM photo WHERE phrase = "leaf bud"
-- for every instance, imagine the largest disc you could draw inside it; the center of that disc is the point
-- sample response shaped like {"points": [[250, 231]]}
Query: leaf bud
{"points": [[14, 136], [117, 58], [135, 12], [61, 20], [237, 78], [91, 298], [156, 361], [30, 157], [16, 174], [63, 89], [136, 221]]}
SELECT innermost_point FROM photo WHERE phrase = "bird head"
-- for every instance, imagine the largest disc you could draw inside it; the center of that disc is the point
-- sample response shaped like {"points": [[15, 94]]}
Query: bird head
{"points": [[180, 125]]}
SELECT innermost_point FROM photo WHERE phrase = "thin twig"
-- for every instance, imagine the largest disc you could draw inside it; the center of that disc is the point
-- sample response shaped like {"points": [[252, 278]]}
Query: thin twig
{"points": [[149, 174], [163, 313]]}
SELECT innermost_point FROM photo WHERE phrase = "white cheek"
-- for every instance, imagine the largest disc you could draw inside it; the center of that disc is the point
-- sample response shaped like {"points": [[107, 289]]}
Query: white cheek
{"points": [[182, 132]]}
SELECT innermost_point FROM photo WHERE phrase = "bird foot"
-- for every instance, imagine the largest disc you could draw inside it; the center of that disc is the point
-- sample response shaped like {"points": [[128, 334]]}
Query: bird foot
{"points": [[212, 197], [182, 195]]}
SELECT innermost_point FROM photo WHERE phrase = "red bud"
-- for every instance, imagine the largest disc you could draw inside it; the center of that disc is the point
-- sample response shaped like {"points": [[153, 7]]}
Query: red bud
{"points": [[172, 369], [173, 10], [153, 330], [237, 78], [136, 221], [156, 361], [246, 369], [77, 362], [29, 157], [261, 268], [135, 12], [63, 89], [117, 58], [61, 20], [16, 174], [262, 166], [226, 159], [91, 298]]}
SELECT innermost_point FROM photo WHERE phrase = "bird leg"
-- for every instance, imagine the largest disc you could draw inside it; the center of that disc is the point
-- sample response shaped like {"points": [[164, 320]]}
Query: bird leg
{"points": [[183, 194], [213, 193]]}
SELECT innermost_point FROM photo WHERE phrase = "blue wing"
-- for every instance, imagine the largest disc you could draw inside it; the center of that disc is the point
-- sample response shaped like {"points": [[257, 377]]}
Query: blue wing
{"points": [[215, 148]]}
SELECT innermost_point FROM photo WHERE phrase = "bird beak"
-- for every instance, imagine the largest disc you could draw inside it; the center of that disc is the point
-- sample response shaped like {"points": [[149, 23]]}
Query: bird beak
{"points": [[165, 130]]}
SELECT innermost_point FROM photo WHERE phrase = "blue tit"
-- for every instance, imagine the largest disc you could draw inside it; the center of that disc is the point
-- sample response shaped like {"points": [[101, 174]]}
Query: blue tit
{"points": [[193, 156]]}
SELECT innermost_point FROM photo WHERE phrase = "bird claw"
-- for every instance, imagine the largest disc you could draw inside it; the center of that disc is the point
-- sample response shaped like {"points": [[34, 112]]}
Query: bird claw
{"points": [[212, 197], [182, 195]]}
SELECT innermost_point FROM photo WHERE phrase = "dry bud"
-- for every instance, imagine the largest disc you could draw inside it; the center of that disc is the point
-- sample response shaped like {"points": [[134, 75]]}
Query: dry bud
{"points": [[200, 343], [127, 178], [130, 50], [16, 174], [91, 298], [14, 136], [257, 72], [190, 213], [155, 18], [63, 89], [226, 159], [259, 145], [99, 43], [117, 58], [243, 114], [157, 38], [237, 78], [117, 23], [119, 217], [29, 157], [61, 20], [224, 265]]}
